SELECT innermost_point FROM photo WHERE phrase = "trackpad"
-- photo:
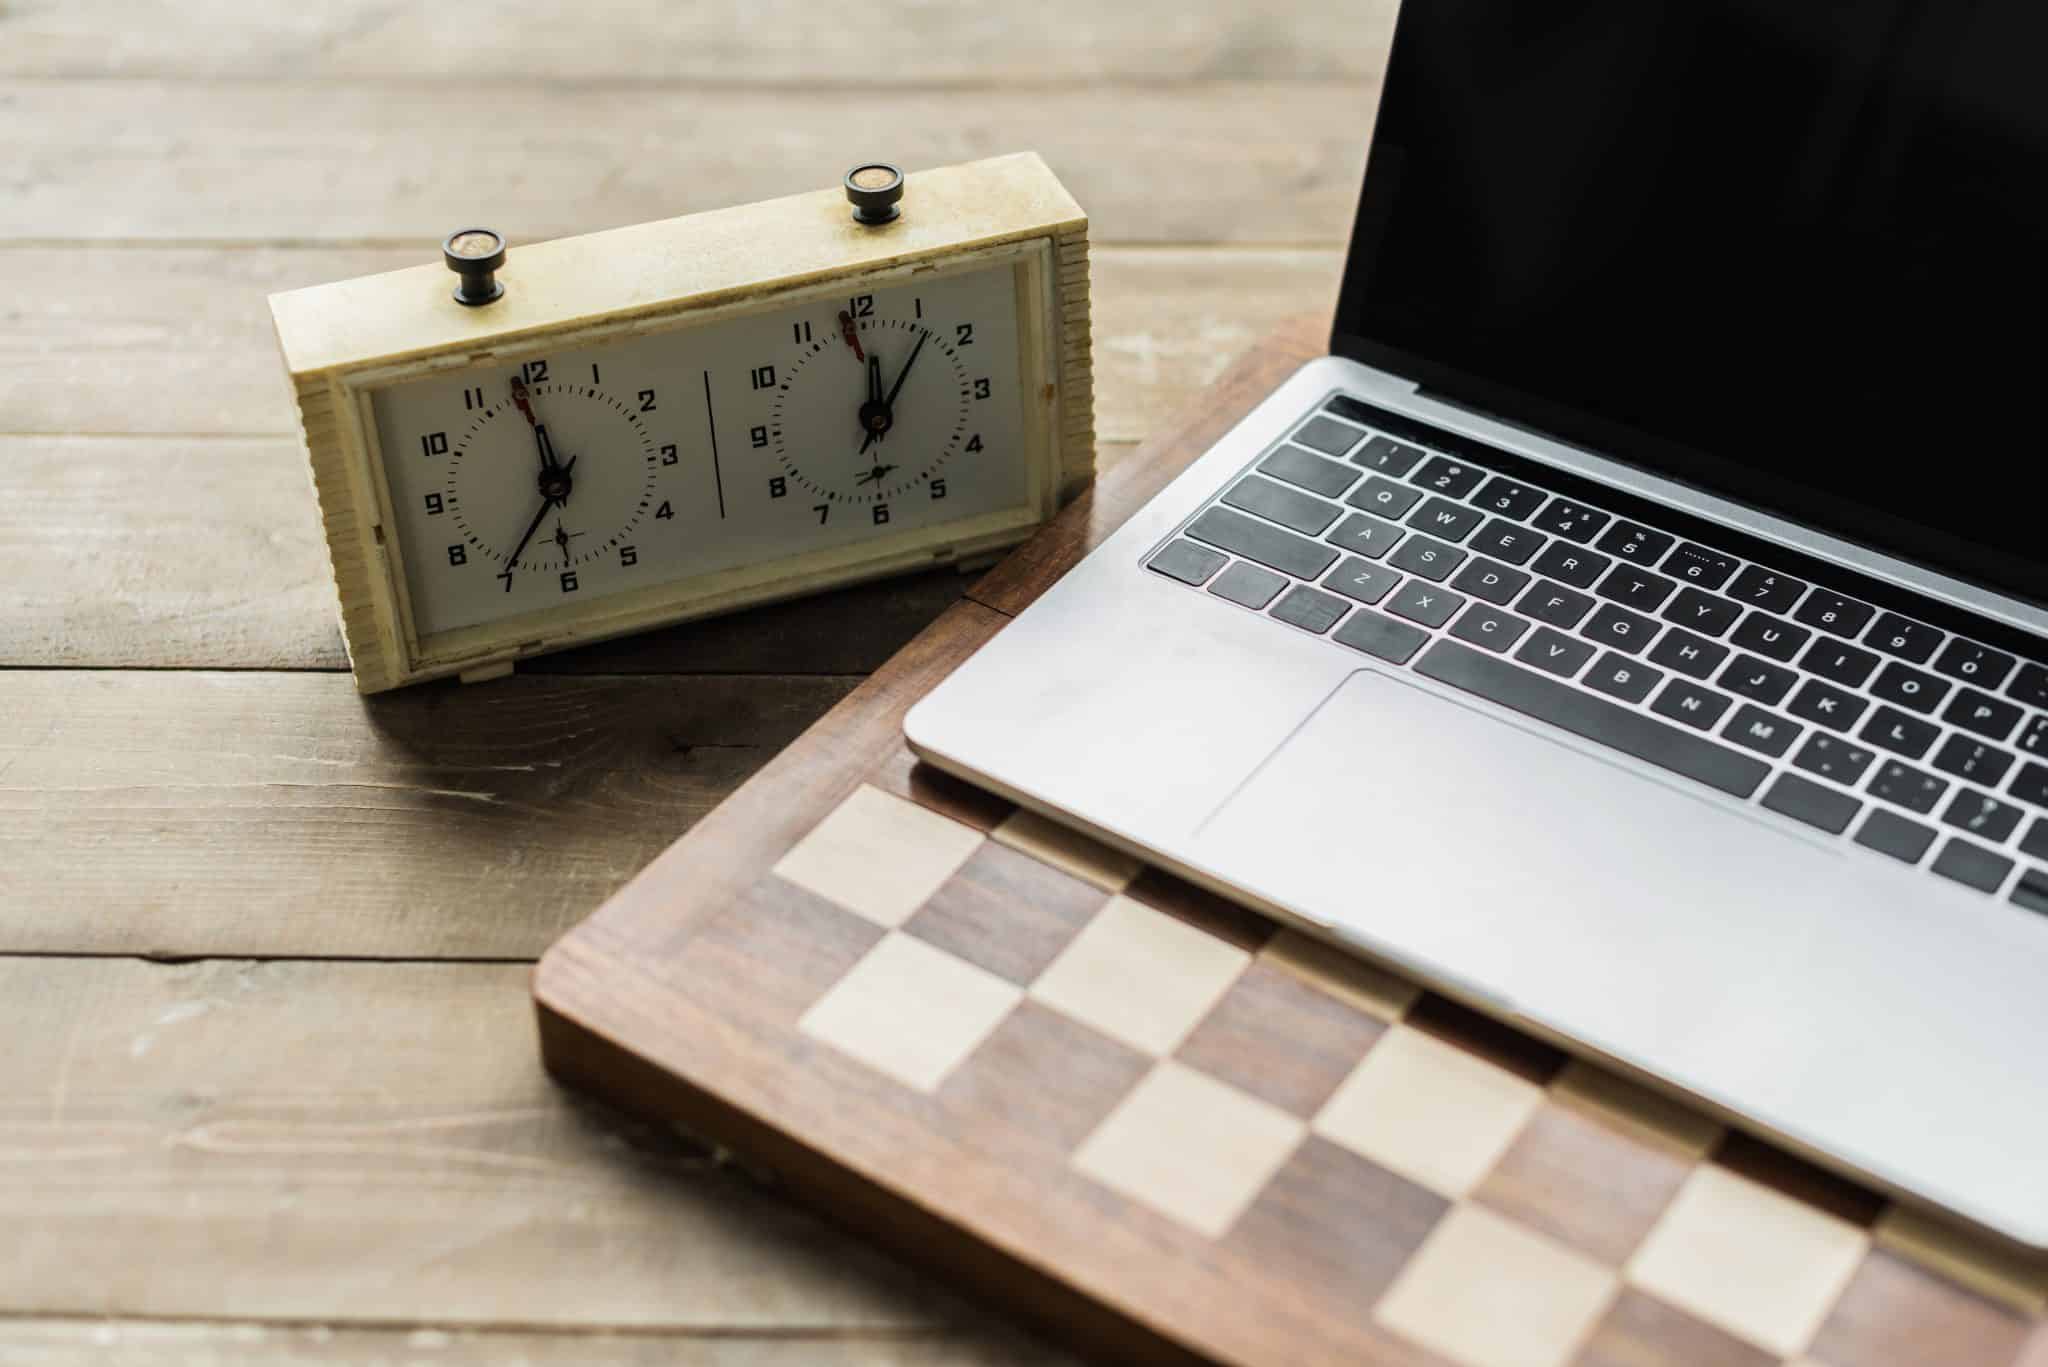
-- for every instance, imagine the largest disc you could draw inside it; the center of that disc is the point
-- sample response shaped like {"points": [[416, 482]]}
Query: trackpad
{"points": [[1482, 852]]}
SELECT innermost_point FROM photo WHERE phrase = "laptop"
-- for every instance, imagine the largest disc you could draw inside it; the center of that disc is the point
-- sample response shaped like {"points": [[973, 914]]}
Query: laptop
{"points": [[1637, 625]]}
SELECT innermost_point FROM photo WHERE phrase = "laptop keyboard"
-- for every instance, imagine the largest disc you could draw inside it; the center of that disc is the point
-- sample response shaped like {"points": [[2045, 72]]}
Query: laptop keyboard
{"points": [[1917, 744]]}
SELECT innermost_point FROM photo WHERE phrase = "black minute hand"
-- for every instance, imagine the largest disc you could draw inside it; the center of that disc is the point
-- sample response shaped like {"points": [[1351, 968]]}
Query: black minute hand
{"points": [[897, 388]]}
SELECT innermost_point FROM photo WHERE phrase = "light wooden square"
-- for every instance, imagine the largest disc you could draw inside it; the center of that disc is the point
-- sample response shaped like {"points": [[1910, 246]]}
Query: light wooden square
{"points": [[1486, 1292], [878, 856], [1063, 848], [1194, 1149], [911, 1011], [1742, 1256], [1140, 976], [1428, 1110]]}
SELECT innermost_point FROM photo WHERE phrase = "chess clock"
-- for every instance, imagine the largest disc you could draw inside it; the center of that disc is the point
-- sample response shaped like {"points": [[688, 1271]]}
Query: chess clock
{"points": [[596, 435]]}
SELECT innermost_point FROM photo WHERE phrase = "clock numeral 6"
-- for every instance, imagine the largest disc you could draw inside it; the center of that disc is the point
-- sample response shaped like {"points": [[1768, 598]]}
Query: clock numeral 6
{"points": [[938, 488], [764, 377], [981, 389], [668, 454], [629, 556], [568, 581], [646, 401], [778, 487], [758, 436], [881, 514], [434, 444], [457, 555], [433, 505]]}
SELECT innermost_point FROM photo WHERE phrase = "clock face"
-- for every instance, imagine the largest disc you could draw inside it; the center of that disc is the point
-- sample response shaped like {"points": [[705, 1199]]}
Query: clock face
{"points": [[635, 462]]}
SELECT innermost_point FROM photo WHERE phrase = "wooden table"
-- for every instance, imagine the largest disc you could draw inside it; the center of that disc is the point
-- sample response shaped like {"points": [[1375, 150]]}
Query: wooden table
{"points": [[268, 1088]]}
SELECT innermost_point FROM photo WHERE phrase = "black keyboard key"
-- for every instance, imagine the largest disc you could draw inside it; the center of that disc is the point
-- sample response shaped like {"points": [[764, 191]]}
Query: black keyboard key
{"points": [[1832, 612], [1428, 557], [1381, 495], [2031, 891], [1758, 679], [1509, 541], [1308, 471], [1366, 536], [2035, 841], [1907, 786], [1982, 713], [1441, 517], [1832, 757], [1388, 456], [1683, 700], [1187, 562], [1804, 800], [1679, 649], [2033, 738], [1973, 760], [1620, 677], [1362, 580], [1509, 499], [1767, 733], [1255, 540], [1831, 659], [1891, 729], [1592, 718], [2030, 785], [1573, 566], [1982, 815], [1972, 663], [1570, 520], [1971, 865], [2030, 685], [1248, 585], [1425, 603], [1908, 687], [1826, 705], [1555, 604], [1553, 652], [1895, 835], [1772, 636], [1488, 579], [1701, 612], [1760, 588], [1635, 543], [1620, 628], [1896, 635], [1448, 477], [1331, 437], [1278, 503], [1693, 563], [1382, 637], [1310, 609], [1636, 588], [1489, 627]]}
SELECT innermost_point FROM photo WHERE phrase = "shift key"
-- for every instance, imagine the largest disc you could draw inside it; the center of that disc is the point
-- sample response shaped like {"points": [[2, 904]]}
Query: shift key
{"points": [[1263, 542]]}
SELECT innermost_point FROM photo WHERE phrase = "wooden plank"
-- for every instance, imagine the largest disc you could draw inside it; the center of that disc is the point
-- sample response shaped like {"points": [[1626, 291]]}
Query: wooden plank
{"points": [[771, 41], [214, 560], [255, 813], [145, 1343], [330, 1142], [409, 161]]}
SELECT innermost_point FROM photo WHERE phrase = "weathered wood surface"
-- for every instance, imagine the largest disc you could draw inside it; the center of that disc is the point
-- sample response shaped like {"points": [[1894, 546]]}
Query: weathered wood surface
{"points": [[697, 42]]}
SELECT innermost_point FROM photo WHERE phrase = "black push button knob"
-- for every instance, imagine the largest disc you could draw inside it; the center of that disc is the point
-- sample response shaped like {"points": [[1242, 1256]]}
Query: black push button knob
{"points": [[873, 189], [475, 254]]}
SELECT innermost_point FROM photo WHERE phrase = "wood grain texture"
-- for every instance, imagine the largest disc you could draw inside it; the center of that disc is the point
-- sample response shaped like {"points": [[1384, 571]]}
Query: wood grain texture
{"points": [[281, 814], [173, 161], [696, 42], [329, 1143]]}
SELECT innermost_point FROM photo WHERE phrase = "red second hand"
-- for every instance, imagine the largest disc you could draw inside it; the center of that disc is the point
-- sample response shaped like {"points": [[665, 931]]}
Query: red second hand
{"points": [[519, 398], [846, 330]]}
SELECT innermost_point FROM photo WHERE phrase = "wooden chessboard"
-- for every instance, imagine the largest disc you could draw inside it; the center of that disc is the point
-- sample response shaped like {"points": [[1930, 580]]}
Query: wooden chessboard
{"points": [[1161, 1129]]}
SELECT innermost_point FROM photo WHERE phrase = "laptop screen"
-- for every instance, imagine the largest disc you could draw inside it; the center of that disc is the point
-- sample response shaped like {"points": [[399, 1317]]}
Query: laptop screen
{"points": [[1792, 252]]}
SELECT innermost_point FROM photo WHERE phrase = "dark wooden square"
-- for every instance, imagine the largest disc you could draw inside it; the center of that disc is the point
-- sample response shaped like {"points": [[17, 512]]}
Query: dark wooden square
{"points": [[1006, 912], [1281, 1040]]}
